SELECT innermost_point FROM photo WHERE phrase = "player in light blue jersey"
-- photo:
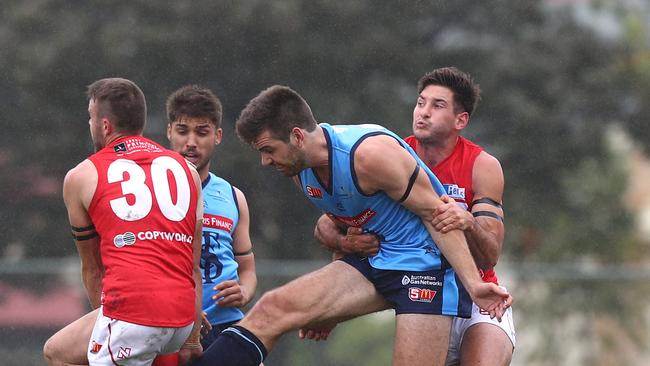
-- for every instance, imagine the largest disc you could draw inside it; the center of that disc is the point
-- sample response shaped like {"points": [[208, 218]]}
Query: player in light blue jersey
{"points": [[227, 260], [363, 176]]}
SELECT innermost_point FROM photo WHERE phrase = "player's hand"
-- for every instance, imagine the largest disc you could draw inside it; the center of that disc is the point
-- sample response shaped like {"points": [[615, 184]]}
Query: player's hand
{"points": [[318, 333], [230, 293], [206, 327], [356, 242], [450, 216], [189, 352], [491, 299]]}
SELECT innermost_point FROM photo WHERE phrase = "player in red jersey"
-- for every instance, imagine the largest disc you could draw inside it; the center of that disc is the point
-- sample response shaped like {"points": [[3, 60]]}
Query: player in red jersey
{"points": [[135, 211], [474, 179]]}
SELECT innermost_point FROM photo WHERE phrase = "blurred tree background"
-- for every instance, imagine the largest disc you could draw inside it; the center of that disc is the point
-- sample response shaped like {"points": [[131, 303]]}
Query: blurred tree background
{"points": [[561, 79]]}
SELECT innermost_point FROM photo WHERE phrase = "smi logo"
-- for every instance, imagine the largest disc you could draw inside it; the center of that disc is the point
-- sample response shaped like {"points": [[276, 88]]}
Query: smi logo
{"points": [[314, 192], [421, 294]]}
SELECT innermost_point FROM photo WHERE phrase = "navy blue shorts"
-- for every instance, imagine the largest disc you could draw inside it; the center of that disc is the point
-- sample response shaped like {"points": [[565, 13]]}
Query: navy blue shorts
{"points": [[214, 333], [438, 292]]}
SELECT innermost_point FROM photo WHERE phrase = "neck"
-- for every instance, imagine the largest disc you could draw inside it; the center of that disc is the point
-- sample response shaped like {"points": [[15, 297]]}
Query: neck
{"points": [[112, 137], [204, 172], [318, 152], [432, 153]]}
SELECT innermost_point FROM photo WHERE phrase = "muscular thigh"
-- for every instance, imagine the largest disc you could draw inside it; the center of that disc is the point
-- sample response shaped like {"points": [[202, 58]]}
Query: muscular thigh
{"points": [[480, 340], [421, 339], [70, 344], [333, 293]]}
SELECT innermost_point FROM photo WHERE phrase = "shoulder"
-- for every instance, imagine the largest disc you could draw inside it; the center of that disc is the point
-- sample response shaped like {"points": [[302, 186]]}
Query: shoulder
{"points": [[485, 161], [81, 174], [372, 146], [80, 183], [487, 174], [239, 195]]}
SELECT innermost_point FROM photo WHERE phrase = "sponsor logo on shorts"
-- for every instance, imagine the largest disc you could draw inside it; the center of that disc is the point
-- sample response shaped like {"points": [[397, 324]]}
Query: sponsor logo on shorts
{"points": [[421, 294], [124, 352], [422, 280], [95, 347], [314, 192], [120, 240]]}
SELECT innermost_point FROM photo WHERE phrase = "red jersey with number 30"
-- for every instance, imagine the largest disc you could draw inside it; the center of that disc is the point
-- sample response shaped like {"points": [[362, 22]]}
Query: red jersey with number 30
{"points": [[144, 210], [455, 173]]}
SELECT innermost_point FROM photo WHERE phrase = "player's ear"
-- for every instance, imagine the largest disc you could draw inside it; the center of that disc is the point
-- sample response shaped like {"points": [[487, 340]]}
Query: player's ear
{"points": [[462, 120], [107, 127], [217, 136], [297, 136], [169, 131]]}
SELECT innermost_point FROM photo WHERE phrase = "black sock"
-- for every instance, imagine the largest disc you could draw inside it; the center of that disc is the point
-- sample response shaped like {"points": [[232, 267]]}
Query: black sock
{"points": [[235, 346]]}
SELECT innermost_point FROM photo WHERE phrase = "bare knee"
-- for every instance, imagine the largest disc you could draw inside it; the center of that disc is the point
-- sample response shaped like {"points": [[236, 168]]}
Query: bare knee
{"points": [[51, 353], [277, 311]]}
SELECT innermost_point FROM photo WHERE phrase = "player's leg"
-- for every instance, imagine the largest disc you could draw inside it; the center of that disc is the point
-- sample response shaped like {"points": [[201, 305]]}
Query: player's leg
{"points": [[129, 344], [70, 345], [425, 303], [334, 293], [421, 339], [488, 342]]}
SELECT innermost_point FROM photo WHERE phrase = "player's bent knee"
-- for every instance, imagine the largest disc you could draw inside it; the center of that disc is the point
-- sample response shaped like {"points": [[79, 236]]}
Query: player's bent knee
{"points": [[50, 352], [274, 309]]}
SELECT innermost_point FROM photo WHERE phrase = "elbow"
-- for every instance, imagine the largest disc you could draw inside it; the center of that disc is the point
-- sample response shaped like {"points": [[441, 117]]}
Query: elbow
{"points": [[487, 261]]}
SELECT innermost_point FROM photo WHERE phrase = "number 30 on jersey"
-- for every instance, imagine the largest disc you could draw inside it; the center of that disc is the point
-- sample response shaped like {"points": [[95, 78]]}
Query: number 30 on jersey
{"points": [[137, 187]]}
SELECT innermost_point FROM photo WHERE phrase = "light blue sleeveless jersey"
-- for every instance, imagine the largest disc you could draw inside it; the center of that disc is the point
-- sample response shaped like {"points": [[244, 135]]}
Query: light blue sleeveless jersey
{"points": [[405, 242], [220, 217]]}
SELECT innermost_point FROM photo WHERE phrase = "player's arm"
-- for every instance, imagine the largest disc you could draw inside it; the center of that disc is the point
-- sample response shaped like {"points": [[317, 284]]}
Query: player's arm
{"points": [[343, 240], [78, 187], [192, 341], [405, 182], [483, 226], [485, 236], [233, 293]]}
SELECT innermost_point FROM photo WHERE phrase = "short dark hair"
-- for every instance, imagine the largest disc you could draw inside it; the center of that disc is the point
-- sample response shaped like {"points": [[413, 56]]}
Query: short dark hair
{"points": [[194, 101], [122, 101], [278, 110], [466, 93]]}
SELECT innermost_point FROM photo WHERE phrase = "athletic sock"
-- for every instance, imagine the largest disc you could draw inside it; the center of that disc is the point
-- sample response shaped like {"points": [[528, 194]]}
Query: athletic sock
{"points": [[235, 346]]}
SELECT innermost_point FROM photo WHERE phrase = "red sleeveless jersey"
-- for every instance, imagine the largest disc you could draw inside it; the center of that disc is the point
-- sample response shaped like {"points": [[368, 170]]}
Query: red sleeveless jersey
{"points": [[144, 209], [455, 173]]}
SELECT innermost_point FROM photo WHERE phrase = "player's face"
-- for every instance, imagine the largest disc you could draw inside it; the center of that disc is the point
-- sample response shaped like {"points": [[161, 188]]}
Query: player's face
{"points": [[195, 139], [95, 126], [284, 156], [434, 119]]}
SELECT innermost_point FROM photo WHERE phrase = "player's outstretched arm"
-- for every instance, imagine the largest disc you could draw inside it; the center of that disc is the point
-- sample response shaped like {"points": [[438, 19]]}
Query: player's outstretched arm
{"points": [[233, 293], [78, 188], [407, 183]]}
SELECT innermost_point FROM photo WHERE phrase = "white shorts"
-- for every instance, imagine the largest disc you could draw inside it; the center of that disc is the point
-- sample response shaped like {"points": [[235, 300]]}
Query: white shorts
{"points": [[460, 325], [117, 342]]}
